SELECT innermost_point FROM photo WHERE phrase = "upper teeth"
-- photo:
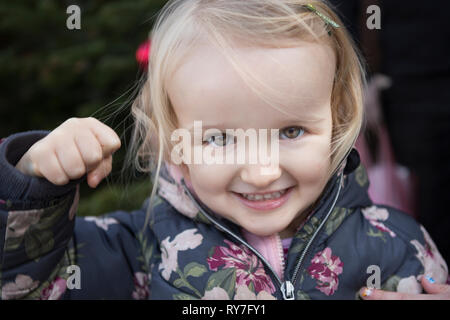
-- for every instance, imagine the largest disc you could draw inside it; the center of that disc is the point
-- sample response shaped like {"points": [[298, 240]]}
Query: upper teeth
{"points": [[267, 196]]}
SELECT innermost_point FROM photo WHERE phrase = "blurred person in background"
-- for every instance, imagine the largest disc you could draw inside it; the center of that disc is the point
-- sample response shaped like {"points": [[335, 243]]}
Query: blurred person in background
{"points": [[413, 50]]}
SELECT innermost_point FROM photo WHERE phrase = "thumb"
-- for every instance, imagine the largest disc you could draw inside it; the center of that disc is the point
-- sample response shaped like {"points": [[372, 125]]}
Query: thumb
{"points": [[431, 286], [28, 167], [95, 176]]}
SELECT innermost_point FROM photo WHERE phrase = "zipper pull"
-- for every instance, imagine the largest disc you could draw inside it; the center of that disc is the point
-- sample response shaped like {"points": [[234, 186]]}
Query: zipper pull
{"points": [[287, 288]]}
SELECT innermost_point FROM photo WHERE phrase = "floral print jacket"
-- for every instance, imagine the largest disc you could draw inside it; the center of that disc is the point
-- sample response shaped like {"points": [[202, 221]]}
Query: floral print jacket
{"points": [[187, 252]]}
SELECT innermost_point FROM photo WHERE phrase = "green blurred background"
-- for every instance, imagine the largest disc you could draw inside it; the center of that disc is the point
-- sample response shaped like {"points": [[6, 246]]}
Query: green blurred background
{"points": [[49, 73]]}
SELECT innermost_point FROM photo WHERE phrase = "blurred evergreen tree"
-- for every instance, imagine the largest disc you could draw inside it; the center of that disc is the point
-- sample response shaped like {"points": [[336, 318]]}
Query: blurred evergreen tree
{"points": [[49, 73]]}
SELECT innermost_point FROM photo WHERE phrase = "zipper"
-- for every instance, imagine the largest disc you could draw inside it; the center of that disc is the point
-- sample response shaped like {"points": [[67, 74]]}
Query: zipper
{"points": [[235, 236], [286, 287], [305, 251], [280, 252]]}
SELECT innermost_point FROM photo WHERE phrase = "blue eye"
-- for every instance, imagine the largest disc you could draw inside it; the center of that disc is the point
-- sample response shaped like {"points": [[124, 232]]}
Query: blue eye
{"points": [[291, 132], [220, 140]]}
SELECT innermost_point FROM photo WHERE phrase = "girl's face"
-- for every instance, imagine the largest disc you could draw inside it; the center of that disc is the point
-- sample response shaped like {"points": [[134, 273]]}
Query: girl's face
{"points": [[206, 88]]}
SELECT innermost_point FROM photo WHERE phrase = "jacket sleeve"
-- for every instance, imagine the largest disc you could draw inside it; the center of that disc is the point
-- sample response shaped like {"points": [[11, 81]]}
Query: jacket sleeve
{"points": [[419, 255], [46, 252]]}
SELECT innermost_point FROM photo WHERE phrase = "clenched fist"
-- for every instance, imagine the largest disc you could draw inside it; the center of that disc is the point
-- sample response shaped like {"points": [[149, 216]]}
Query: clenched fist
{"points": [[76, 147]]}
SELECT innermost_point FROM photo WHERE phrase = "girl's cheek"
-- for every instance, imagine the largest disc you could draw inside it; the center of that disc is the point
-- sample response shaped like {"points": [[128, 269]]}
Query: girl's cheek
{"points": [[210, 179], [310, 162]]}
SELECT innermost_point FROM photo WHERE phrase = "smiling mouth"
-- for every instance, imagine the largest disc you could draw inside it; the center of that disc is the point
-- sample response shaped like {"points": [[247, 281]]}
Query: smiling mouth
{"points": [[264, 201], [264, 196]]}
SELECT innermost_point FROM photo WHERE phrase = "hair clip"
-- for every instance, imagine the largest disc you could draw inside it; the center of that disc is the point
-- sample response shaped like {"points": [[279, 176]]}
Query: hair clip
{"points": [[325, 19]]}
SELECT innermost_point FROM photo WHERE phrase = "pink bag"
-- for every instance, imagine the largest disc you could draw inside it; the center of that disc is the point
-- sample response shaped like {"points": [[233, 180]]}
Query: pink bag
{"points": [[390, 183]]}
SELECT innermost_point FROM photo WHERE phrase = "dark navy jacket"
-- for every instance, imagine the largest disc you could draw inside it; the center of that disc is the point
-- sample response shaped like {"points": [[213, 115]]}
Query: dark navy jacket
{"points": [[188, 252]]}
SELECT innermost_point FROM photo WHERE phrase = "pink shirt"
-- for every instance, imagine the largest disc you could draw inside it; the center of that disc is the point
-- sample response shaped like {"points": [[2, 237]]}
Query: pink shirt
{"points": [[286, 243]]}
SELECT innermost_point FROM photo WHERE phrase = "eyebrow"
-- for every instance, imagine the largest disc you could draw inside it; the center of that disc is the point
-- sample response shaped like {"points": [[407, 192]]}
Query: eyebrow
{"points": [[292, 120], [220, 126]]}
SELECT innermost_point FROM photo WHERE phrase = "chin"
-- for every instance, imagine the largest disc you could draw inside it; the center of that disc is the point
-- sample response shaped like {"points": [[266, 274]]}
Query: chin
{"points": [[262, 231]]}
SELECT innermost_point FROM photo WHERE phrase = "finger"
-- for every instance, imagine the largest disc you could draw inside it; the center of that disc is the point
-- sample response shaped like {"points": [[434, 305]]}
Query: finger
{"points": [[89, 148], [99, 173], [27, 166], [70, 160], [108, 138], [375, 294], [52, 170], [430, 286]]}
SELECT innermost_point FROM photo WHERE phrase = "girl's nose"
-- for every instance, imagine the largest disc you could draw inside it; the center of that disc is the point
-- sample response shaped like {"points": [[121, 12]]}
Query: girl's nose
{"points": [[260, 176]]}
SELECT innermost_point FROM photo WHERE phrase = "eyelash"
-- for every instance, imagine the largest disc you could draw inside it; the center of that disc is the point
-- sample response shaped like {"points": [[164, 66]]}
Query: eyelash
{"points": [[300, 134], [209, 140]]}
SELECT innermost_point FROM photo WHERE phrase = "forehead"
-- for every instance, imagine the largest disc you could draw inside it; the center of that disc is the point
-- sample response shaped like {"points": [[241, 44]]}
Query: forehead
{"points": [[207, 87]]}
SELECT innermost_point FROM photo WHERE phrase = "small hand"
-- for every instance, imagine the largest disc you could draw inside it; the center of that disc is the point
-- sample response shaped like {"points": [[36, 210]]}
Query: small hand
{"points": [[434, 291], [76, 147]]}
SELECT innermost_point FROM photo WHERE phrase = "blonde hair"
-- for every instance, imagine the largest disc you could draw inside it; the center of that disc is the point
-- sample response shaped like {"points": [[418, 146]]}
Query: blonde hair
{"points": [[258, 23]]}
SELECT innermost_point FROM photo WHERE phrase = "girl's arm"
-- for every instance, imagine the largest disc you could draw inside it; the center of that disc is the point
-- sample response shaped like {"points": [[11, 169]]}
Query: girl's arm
{"points": [[408, 257], [48, 253]]}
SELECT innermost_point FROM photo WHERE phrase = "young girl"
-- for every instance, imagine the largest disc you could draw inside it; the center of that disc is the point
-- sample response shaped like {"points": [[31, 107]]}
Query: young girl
{"points": [[302, 227]]}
